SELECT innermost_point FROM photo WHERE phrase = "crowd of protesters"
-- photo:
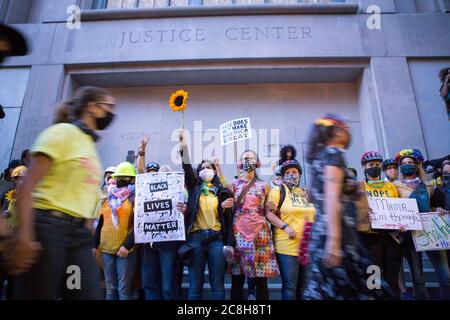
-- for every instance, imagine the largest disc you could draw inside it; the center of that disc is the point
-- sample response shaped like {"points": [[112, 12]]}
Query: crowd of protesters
{"points": [[62, 210]]}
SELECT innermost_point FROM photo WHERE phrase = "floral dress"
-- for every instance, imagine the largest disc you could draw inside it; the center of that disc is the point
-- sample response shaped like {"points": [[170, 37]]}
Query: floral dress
{"points": [[349, 280], [254, 247]]}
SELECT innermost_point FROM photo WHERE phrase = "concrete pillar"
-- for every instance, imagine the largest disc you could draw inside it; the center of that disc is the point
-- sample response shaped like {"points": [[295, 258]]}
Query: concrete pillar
{"points": [[41, 98], [397, 107]]}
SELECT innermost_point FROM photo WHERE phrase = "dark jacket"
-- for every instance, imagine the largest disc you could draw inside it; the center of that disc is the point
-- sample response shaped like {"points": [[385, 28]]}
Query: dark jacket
{"points": [[194, 188]]}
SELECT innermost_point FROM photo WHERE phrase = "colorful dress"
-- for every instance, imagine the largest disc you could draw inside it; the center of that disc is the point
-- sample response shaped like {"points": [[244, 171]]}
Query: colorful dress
{"points": [[349, 280], [254, 247]]}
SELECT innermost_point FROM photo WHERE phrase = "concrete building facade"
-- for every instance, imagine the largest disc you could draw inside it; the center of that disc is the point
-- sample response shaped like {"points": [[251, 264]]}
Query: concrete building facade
{"points": [[282, 63]]}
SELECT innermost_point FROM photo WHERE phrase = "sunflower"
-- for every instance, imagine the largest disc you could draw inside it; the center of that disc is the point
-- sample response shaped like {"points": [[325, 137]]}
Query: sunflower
{"points": [[178, 100], [11, 195], [324, 122]]}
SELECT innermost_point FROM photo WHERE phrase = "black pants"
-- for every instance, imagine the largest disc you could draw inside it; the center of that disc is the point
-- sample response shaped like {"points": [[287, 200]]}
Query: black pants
{"points": [[66, 256], [237, 287], [387, 254]]}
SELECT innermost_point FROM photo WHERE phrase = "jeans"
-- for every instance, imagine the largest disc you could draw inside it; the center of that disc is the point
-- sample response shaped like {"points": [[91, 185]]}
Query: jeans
{"points": [[439, 261], [160, 268], [119, 273], [257, 286], [292, 277], [386, 254], [211, 254], [415, 265], [65, 243]]}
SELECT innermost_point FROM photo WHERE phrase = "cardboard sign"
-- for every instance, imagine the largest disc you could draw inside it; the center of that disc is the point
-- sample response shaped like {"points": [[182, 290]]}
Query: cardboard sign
{"points": [[156, 218], [235, 130], [394, 213], [435, 234]]}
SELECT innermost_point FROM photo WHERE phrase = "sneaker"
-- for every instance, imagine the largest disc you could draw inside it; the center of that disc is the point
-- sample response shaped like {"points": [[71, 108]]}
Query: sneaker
{"points": [[228, 253]]}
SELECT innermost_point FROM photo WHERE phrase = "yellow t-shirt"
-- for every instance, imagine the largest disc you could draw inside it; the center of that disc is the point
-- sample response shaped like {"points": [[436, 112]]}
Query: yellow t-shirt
{"points": [[382, 189], [72, 182], [208, 215], [295, 211]]}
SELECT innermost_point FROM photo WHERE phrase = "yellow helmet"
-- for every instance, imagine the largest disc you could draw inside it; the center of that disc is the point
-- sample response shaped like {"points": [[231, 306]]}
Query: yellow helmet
{"points": [[125, 169], [19, 172]]}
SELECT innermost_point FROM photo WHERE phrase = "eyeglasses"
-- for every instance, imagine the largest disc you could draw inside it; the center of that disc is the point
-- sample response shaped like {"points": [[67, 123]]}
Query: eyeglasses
{"points": [[110, 105]]}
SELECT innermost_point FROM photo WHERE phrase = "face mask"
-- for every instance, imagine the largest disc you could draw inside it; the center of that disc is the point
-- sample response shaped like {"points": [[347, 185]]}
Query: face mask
{"points": [[373, 172], [123, 183], [408, 169], [103, 123], [206, 175], [292, 180], [446, 178], [248, 166]]}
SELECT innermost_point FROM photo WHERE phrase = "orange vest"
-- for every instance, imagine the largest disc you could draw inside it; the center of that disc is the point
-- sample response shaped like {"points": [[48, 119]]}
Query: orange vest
{"points": [[111, 239]]}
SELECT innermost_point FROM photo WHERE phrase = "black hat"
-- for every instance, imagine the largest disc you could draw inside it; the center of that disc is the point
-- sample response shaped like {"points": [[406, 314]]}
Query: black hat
{"points": [[290, 164], [16, 41]]}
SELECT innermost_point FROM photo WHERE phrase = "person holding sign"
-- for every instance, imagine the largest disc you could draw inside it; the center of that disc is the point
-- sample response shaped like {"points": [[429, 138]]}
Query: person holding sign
{"points": [[339, 263], [412, 184], [288, 209], [206, 227], [115, 235], [255, 254], [383, 245]]}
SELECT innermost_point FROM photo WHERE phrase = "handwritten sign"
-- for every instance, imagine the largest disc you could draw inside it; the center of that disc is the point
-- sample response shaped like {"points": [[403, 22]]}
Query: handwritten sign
{"points": [[156, 218], [394, 213], [435, 234], [235, 130]]}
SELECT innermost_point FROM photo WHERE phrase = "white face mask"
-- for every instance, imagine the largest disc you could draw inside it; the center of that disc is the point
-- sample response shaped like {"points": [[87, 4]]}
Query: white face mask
{"points": [[206, 175]]}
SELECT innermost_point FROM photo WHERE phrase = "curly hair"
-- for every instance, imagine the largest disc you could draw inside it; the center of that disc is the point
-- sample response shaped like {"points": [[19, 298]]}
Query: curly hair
{"points": [[320, 135], [443, 73], [283, 153]]}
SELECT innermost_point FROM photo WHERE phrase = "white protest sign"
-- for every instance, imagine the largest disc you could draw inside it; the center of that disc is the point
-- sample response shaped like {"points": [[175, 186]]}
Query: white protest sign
{"points": [[435, 234], [156, 218], [394, 213], [235, 130]]}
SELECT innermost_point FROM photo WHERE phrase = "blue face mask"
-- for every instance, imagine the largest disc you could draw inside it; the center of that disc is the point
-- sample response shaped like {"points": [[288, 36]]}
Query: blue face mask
{"points": [[408, 169], [446, 178]]}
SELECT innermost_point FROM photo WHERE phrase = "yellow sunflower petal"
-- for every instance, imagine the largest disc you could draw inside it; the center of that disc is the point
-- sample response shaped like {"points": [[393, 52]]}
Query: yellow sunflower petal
{"points": [[176, 96]]}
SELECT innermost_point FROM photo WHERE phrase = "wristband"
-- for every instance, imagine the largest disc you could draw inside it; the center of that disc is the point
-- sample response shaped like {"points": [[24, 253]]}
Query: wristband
{"points": [[284, 226]]}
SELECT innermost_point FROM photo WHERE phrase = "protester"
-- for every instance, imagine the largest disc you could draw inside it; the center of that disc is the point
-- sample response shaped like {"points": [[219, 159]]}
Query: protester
{"points": [[338, 261], [390, 169], [412, 184], [288, 209], [444, 76], [206, 227], [383, 245], [57, 200], [254, 251], [160, 264], [115, 234], [441, 195]]}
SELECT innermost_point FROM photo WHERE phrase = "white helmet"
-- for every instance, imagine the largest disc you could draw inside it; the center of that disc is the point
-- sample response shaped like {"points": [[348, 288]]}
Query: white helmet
{"points": [[110, 169]]}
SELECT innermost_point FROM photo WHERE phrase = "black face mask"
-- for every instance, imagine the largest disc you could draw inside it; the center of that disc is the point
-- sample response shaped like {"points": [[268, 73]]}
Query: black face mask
{"points": [[123, 183], [373, 172], [103, 123]]}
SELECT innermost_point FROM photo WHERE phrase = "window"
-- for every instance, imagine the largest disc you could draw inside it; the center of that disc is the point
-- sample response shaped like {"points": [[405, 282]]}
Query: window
{"points": [[127, 4]]}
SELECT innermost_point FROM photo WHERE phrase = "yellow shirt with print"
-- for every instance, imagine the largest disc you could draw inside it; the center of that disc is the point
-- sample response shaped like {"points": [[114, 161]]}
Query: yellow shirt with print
{"points": [[72, 182], [208, 214], [295, 211]]}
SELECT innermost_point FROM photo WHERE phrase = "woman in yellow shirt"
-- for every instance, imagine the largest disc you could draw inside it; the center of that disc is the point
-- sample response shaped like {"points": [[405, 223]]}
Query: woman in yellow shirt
{"points": [[206, 226], [289, 219], [57, 200]]}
